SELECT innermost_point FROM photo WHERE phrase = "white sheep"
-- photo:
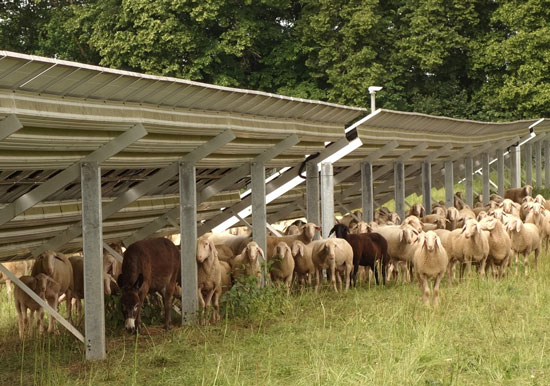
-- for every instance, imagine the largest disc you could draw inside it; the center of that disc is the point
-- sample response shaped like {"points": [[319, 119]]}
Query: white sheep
{"points": [[430, 261], [282, 268], [469, 245], [303, 263], [209, 275], [401, 243], [333, 254], [500, 245], [246, 263], [525, 239]]}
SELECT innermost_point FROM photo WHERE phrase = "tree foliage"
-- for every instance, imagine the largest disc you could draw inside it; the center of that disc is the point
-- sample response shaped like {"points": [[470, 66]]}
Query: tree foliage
{"points": [[480, 59]]}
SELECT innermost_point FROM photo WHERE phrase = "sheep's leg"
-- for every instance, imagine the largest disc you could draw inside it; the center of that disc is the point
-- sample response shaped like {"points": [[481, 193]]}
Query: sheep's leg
{"points": [[425, 288], [516, 259], [51, 319], [30, 324], [39, 320], [317, 279], [436, 289], [333, 277], [288, 282], [348, 276], [167, 300], [526, 262], [536, 258], [216, 304], [8, 287], [482, 265], [21, 316]]}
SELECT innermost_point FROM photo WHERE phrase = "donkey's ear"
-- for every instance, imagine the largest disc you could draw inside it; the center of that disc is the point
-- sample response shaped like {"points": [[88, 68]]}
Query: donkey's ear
{"points": [[139, 282]]}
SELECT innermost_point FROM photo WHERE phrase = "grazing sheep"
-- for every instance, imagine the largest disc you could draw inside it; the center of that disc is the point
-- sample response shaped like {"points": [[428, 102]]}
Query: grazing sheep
{"points": [[453, 218], [332, 254], [517, 194], [282, 268], [430, 261], [209, 275], [303, 264], [369, 249], [500, 245], [148, 266], [47, 289], [525, 239], [59, 268], [18, 268], [246, 263]]}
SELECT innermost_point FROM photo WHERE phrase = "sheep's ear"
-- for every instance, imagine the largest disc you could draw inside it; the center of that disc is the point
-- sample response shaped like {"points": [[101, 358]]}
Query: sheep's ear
{"points": [[519, 225], [261, 252], [401, 234], [318, 228], [463, 229], [438, 243], [139, 282]]}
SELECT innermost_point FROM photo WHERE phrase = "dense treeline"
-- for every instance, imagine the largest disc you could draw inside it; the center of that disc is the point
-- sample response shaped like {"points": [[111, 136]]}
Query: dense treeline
{"points": [[479, 59]]}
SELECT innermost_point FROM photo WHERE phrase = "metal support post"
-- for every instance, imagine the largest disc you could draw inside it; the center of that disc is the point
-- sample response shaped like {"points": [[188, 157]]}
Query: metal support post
{"points": [[427, 185], [528, 164], [500, 171], [259, 217], [486, 177], [367, 194], [399, 188], [449, 184], [312, 193], [515, 166], [188, 231], [538, 164], [469, 170], [327, 199], [92, 247]]}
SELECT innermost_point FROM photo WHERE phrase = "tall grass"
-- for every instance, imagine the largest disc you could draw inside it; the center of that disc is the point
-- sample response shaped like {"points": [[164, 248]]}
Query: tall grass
{"points": [[485, 332]]}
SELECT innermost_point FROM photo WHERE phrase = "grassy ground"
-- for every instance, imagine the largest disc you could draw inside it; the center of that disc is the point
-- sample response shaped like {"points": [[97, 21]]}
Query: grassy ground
{"points": [[486, 332]]}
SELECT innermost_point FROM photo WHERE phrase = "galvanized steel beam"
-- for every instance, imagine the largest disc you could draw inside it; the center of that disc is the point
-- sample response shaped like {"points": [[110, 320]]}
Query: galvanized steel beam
{"points": [[515, 166], [327, 199], [500, 172], [486, 178], [367, 193], [188, 231], [312, 192], [259, 218], [427, 185], [92, 247], [399, 188], [449, 184], [528, 151], [9, 125], [538, 164]]}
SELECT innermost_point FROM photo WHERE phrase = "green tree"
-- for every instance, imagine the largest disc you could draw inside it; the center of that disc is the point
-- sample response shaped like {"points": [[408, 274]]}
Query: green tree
{"points": [[515, 59]]}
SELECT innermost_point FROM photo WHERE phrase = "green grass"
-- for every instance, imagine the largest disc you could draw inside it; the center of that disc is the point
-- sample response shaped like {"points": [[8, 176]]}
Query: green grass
{"points": [[485, 332]]}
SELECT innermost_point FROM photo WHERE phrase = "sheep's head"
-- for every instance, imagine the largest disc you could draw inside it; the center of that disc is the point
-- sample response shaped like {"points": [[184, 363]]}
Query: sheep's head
{"points": [[497, 213], [281, 251], [363, 227], [540, 199], [253, 250], [394, 218], [413, 222], [488, 223], [430, 240], [481, 215], [439, 210], [527, 190], [298, 248], [41, 285], [514, 225], [527, 199], [205, 249], [453, 214], [309, 230], [131, 304], [417, 210], [293, 230], [507, 205], [471, 228], [340, 230], [408, 234], [330, 249]]}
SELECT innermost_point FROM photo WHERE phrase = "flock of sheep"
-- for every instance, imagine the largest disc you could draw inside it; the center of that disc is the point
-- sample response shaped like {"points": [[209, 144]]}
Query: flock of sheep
{"points": [[429, 245]]}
